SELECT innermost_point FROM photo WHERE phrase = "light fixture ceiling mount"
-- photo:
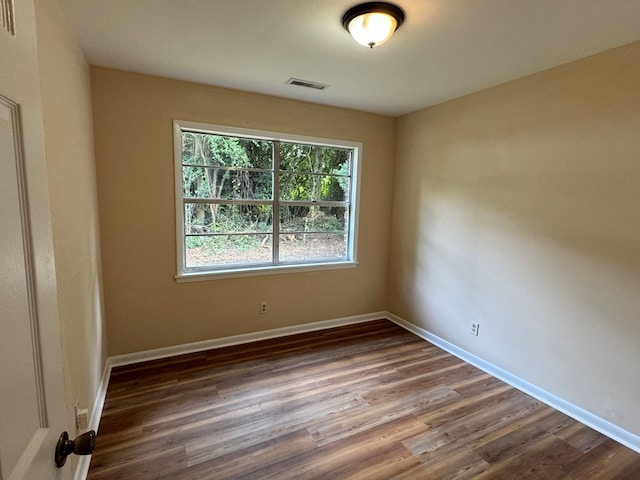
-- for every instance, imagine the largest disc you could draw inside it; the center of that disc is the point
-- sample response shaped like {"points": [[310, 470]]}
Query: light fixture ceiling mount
{"points": [[372, 23]]}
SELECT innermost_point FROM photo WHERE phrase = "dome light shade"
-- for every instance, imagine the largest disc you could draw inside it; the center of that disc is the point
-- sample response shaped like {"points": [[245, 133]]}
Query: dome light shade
{"points": [[372, 23]]}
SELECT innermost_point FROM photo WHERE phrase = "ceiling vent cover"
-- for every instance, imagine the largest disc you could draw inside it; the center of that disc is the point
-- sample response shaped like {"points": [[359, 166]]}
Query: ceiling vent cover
{"points": [[306, 83]]}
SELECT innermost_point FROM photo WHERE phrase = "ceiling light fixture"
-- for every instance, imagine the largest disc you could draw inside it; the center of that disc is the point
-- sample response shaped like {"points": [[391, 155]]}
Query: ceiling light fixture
{"points": [[372, 23]]}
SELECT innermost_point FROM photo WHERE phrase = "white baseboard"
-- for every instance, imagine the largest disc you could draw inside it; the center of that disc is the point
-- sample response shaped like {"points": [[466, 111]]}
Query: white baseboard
{"points": [[167, 352], [603, 426], [82, 468], [597, 423]]}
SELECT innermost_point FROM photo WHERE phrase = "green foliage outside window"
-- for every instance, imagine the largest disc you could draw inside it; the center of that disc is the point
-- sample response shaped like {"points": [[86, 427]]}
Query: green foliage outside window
{"points": [[225, 179]]}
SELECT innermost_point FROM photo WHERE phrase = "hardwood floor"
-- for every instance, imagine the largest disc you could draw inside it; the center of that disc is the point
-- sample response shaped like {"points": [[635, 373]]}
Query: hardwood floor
{"points": [[367, 401]]}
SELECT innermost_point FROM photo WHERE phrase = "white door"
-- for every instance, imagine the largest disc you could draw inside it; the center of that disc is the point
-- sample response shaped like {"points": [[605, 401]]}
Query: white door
{"points": [[32, 396]]}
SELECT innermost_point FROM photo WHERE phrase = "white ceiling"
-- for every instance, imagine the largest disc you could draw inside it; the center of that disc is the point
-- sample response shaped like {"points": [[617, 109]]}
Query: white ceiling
{"points": [[445, 48]]}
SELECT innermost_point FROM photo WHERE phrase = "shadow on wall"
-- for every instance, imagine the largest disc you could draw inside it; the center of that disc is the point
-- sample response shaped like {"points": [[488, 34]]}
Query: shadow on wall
{"points": [[519, 208]]}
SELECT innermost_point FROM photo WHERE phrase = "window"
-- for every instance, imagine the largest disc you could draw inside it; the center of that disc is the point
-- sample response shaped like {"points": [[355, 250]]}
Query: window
{"points": [[250, 202]]}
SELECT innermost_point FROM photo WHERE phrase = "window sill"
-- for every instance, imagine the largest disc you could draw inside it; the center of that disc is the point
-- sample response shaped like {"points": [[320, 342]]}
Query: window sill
{"points": [[261, 271]]}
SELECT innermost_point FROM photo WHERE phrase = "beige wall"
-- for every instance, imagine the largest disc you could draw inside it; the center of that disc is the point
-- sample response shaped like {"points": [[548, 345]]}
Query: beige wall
{"points": [[66, 103], [519, 208], [145, 306]]}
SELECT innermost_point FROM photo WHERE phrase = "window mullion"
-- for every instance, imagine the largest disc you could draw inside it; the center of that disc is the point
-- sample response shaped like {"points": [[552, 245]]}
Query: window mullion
{"points": [[276, 202], [226, 201], [311, 203]]}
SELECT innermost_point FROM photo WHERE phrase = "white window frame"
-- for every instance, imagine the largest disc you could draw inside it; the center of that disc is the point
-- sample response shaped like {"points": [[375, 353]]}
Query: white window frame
{"points": [[185, 274]]}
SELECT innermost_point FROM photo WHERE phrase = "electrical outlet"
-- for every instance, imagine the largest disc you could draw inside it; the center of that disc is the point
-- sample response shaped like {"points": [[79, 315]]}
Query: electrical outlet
{"points": [[82, 416], [475, 328], [263, 308]]}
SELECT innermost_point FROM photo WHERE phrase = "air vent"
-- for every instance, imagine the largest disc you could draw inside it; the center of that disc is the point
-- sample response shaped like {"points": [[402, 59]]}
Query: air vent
{"points": [[7, 17], [306, 83]]}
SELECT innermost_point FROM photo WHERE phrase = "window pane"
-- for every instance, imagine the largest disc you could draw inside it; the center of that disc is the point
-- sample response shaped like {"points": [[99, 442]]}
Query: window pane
{"points": [[309, 247], [199, 182], [296, 157], [228, 194], [228, 250], [295, 218], [222, 151], [216, 218], [306, 187]]}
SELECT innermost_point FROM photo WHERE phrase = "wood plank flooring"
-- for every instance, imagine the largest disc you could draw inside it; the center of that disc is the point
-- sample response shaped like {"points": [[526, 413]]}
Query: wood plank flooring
{"points": [[366, 401]]}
